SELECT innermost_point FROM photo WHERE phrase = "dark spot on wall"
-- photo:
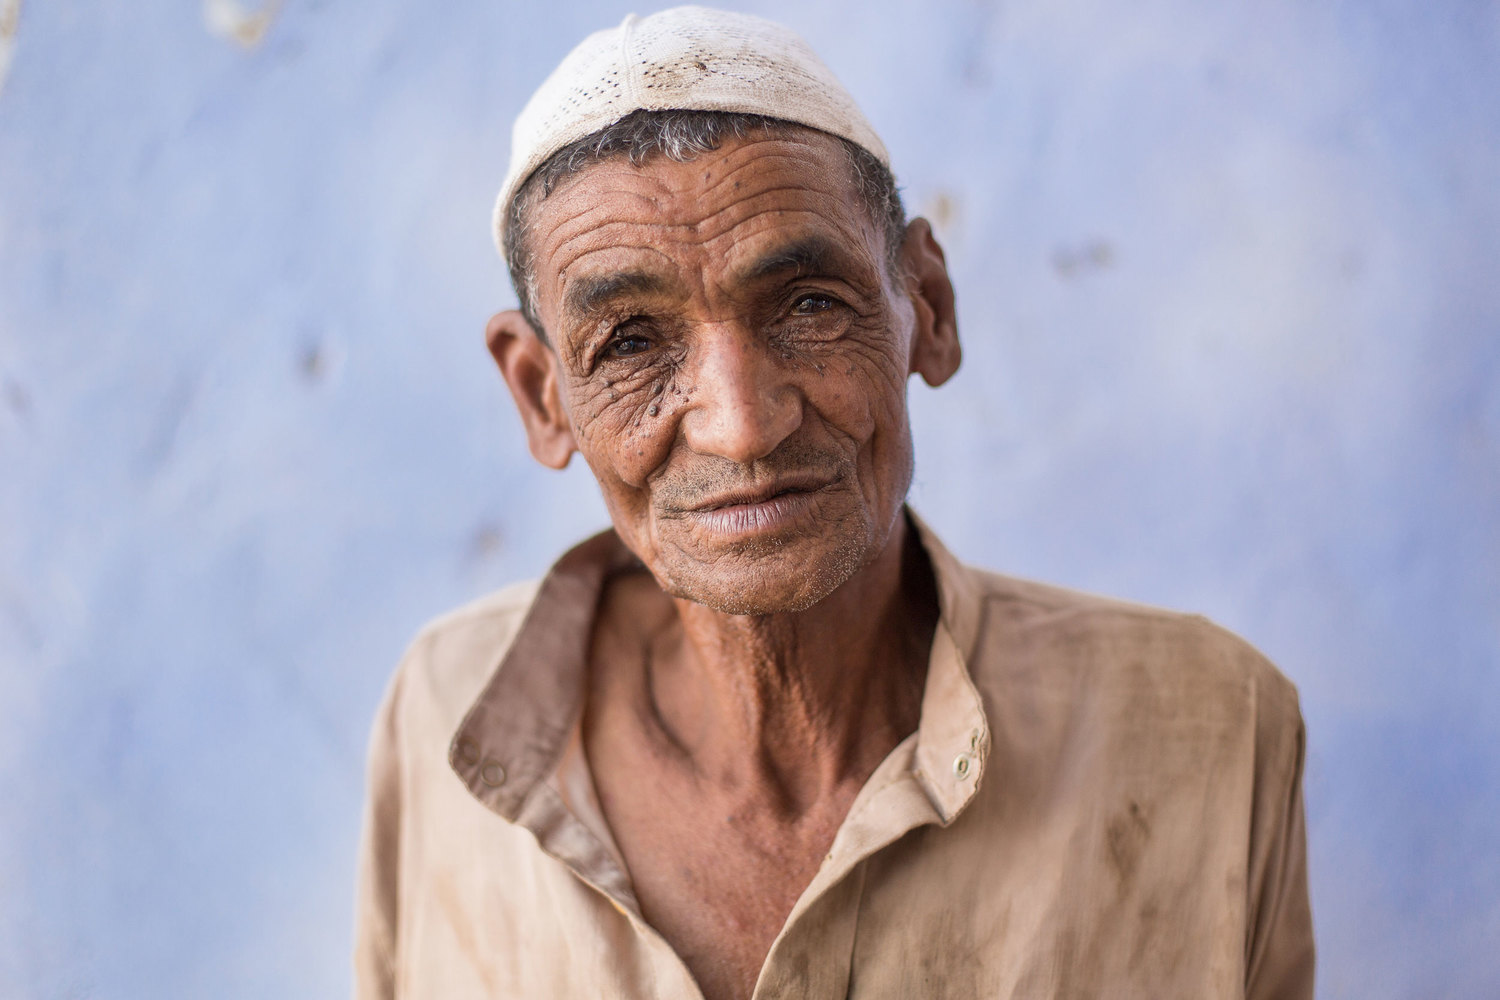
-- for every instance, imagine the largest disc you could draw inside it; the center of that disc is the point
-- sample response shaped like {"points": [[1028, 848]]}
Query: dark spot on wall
{"points": [[17, 399], [1083, 260], [487, 541], [312, 363]]}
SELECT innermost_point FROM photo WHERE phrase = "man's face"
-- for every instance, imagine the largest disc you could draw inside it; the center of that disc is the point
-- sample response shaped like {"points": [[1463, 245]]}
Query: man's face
{"points": [[732, 356]]}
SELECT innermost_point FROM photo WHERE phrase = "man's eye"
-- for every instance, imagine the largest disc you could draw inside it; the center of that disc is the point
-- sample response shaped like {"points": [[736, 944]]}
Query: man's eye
{"points": [[625, 345], [807, 305]]}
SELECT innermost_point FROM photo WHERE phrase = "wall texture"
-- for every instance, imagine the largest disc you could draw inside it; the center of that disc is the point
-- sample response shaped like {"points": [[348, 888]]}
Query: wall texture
{"points": [[1229, 279]]}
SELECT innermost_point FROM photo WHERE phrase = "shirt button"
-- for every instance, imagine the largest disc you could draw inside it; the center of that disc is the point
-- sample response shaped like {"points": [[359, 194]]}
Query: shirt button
{"points": [[961, 765], [492, 773]]}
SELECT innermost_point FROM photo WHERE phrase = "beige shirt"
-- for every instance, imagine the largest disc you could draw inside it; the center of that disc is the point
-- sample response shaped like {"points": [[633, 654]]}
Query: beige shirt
{"points": [[1101, 800]]}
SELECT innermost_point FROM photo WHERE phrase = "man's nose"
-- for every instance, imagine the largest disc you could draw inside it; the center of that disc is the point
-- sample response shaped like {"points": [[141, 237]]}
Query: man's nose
{"points": [[744, 401]]}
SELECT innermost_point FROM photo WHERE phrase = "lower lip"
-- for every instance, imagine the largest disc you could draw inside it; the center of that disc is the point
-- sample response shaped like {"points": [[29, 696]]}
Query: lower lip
{"points": [[765, 517]]}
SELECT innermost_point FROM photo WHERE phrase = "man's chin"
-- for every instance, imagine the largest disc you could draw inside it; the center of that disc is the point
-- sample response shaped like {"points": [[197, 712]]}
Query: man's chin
{"points": [[779, 582]]}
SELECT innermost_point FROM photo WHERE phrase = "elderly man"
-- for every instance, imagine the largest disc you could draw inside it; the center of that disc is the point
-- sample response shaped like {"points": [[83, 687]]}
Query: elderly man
{"points": [[766, 737]]}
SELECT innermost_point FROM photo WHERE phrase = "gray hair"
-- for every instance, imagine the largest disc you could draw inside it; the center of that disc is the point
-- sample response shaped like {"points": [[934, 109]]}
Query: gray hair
{"points": [[680, 136]]}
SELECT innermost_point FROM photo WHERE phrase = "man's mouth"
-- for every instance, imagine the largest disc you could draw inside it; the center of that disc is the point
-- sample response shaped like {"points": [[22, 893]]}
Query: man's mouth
{"points": [[755, 496], [740, 514]]}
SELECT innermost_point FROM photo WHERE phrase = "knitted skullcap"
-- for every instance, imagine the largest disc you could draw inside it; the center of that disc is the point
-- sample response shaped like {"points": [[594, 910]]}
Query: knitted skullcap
{"points": [[687, 59]]}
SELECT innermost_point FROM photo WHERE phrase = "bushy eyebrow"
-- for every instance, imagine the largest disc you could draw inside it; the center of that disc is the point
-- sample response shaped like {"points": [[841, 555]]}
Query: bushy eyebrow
{"points": [[810, 255], [591, 293]]}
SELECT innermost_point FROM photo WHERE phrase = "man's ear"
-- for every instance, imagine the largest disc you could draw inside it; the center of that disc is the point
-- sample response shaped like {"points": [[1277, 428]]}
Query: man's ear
{"points": [[530, 369], [935, 354]]}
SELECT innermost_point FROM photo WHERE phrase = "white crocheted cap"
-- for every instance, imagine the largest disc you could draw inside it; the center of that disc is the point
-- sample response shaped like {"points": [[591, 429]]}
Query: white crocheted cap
{"points": [[686, 58]]}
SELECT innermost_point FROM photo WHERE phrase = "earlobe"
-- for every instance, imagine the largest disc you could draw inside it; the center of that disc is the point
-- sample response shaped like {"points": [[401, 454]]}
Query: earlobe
{"points": [[530, 369], [935, 351]]}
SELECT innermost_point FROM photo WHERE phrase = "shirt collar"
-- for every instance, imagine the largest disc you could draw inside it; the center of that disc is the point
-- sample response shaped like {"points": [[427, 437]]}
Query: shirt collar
{"points": [[517, 729]]}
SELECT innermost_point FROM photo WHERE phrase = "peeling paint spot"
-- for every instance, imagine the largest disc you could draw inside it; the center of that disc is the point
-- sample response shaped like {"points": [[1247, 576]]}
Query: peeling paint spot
{"points": [[942, 210], [1076, 262], [228, 19], [10, 20]]}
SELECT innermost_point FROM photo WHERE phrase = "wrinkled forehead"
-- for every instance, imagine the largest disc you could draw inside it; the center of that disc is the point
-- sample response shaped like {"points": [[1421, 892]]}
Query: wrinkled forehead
{"points": [[756, 204]]}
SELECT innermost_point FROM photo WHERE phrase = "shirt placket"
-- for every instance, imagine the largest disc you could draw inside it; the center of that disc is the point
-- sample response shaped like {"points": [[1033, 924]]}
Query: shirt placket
{"points": [[812, 956]]}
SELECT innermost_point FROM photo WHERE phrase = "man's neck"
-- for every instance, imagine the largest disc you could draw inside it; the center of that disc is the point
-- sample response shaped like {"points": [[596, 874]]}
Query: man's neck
{"points": [[789, 707], [727, 750]]}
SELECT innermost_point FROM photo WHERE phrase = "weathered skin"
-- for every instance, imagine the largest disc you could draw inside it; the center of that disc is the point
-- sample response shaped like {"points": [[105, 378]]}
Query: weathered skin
{"points": [[731, 357]]}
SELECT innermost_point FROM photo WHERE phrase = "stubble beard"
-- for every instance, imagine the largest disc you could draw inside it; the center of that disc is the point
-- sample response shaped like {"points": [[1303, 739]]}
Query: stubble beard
{"points": [[768, 579]]}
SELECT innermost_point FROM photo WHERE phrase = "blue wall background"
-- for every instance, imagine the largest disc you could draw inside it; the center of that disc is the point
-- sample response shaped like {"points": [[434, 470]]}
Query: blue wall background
{"points": [[1229, 279]]}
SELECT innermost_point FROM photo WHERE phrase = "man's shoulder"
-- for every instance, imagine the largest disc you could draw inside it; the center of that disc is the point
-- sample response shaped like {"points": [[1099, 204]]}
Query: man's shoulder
{"points": [[454, 654], [481, 620], [1109, 641]]}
